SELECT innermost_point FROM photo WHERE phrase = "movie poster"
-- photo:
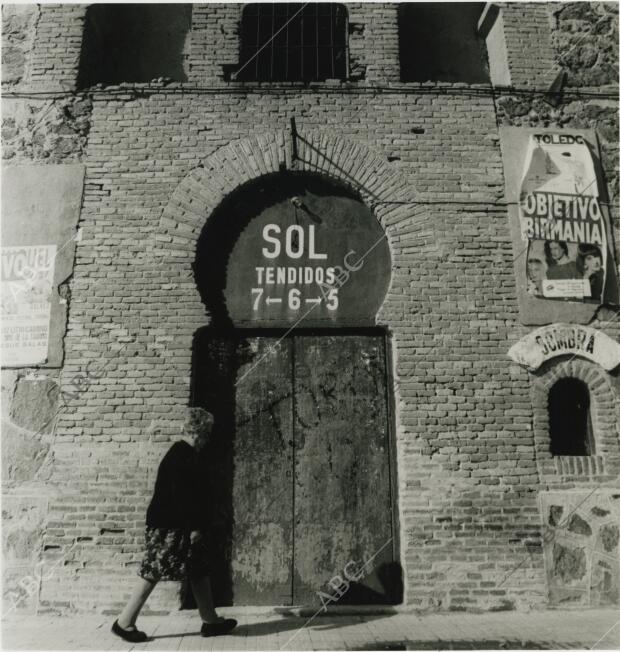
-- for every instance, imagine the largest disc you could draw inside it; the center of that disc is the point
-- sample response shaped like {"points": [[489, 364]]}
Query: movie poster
{"points": [[561, 220], [27, 284]]}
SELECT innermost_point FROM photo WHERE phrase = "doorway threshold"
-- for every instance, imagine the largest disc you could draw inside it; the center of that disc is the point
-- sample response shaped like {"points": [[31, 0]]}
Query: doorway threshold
{"points": [[309, 611]]}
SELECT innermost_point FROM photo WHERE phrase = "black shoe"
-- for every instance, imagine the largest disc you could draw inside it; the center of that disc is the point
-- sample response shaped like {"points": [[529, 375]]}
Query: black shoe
{"points": [[218, 629], [131, 635]]}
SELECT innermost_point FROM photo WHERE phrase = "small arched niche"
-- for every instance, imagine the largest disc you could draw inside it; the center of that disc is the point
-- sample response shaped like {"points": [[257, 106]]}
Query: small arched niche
{"points": [[570, 422]]}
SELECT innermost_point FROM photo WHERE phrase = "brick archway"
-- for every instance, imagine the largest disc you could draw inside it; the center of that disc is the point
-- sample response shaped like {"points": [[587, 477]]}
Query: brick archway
{"points": [[193, 203], [381, 187]]}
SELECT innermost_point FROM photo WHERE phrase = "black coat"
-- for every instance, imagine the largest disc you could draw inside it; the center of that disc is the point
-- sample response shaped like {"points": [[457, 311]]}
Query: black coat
{"points": [[181, 499]]}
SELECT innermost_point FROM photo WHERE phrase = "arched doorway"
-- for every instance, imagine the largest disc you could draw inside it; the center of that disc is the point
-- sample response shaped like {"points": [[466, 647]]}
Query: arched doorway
{"points": [[292, 269]]}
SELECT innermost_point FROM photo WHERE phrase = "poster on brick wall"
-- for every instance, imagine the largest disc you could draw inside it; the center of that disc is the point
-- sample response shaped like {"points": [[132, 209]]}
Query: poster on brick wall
{"points": [[563, 250], [27, 285], [561, 220], [40, 211]]}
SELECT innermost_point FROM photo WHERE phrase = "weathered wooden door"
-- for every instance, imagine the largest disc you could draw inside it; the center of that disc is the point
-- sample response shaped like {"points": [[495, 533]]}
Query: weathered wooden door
{"points": [[246, 383], [301, 460], [343, 513]]}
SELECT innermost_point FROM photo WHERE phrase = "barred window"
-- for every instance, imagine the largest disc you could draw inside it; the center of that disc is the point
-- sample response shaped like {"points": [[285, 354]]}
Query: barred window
{"points": [[570, 423], [293, 42]]}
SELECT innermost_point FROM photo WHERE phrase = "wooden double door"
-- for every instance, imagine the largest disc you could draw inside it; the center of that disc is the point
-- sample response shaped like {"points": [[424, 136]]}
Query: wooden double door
{"points": [[301, 468]]}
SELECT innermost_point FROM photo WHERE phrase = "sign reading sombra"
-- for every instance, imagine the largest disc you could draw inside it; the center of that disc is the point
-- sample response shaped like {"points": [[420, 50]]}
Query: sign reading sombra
{"points": [[566, 339], [561, 233]]}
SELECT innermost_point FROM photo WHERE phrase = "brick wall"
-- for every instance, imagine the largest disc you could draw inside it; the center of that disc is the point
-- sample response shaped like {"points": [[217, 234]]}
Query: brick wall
{"points": [[41, 46], [54, 57], [527, 30], [468, 475], [463, 470], [373, 41], [41, 51]]}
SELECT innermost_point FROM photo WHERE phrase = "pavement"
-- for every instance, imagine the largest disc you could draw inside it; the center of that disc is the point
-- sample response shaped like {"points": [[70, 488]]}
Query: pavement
{"points": [[553, 629]]}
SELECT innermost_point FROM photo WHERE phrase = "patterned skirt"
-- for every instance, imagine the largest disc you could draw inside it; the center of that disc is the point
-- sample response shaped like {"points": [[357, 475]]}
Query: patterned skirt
{"points": [[174, 554]]}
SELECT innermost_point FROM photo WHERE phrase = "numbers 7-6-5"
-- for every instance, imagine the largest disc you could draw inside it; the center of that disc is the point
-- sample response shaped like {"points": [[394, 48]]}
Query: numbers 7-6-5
{"points": [[294, 299]]}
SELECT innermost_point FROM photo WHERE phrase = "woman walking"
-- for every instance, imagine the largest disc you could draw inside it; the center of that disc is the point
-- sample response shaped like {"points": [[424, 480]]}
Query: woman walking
{"points": [[177, 531]]}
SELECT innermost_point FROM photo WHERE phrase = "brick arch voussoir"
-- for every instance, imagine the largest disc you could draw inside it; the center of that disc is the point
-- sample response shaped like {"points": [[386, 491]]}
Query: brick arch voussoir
{"points": [[379, 185]]}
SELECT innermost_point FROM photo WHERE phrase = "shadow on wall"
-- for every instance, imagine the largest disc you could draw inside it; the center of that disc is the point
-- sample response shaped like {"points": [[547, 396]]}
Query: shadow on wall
{"points": [[134, 43], [216, 364], [390, 577], [440, 42]]}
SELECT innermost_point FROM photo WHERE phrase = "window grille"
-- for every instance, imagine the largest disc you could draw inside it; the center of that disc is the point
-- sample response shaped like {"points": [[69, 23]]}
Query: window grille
{"points": [[570, 423], [293, 42]]}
